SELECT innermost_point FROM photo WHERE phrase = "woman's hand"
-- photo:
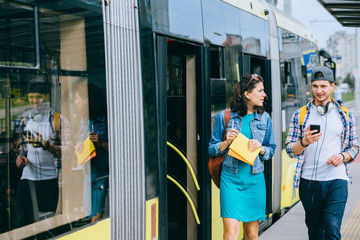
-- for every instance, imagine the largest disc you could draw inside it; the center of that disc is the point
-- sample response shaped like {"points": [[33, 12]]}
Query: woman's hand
{"points": [[94, 137], [231, 135], [253, 145]]}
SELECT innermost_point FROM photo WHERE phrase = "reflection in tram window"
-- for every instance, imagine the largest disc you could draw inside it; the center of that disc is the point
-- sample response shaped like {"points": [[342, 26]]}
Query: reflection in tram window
{"points": [[43, 136], [92, 125], [297, 58], [46, 49], [20, 50]]}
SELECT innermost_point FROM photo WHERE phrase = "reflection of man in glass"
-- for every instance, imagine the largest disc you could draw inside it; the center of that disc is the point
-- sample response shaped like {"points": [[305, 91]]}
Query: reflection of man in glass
{"points": [[42, 132]]}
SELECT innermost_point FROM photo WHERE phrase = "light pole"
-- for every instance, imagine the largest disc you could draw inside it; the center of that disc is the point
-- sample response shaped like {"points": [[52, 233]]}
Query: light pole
{"points": [[357, 70]]}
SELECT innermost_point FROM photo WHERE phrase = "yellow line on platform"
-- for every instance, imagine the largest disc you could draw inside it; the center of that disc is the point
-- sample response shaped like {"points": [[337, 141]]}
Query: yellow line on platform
{"points": [[351, 228]]}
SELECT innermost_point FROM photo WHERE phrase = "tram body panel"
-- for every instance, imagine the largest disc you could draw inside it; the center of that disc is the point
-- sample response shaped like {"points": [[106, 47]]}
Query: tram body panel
{"points": [[289, 195], [185, 58], [100, 230]]}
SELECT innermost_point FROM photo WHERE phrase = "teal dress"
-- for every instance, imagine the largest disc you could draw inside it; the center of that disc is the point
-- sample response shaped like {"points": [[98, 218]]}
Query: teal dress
{"points": [[243, 194]]}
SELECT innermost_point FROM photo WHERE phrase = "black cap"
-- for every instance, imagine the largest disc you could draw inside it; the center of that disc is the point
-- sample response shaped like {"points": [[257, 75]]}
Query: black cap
{"points": [[38, 87], [326, 72]]}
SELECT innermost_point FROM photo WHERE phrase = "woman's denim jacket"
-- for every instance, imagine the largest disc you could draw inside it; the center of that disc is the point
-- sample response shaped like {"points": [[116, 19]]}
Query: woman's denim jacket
{"points": [[261, 129]]}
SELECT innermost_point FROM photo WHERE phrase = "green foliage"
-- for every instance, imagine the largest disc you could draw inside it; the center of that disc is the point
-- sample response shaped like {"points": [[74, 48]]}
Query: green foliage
{"points": [[349, 80], [348, 96]]}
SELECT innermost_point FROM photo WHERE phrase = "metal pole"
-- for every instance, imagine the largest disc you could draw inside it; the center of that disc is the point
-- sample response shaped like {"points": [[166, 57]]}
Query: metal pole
{"points": [[357, 70]]}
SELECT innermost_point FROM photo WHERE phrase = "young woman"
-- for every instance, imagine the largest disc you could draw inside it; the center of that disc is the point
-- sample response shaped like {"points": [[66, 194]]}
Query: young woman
{"points": [[91, 106], [242, 186]]}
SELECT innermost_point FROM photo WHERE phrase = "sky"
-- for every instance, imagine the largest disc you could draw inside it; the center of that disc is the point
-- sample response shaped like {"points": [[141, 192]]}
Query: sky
{"points": [[312, 14]]}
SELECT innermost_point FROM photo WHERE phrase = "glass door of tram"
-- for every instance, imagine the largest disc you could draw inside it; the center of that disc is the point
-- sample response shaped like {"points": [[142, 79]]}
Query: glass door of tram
{"points": [[262, 66], [182, 127]]}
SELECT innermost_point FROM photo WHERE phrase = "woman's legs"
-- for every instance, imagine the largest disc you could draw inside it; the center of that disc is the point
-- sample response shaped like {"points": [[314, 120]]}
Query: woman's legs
{"points": [[231, 229], [251, 230]]}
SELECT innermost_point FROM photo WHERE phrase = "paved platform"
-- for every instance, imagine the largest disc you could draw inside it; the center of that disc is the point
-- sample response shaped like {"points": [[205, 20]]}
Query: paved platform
{"points": [[292, 225]]}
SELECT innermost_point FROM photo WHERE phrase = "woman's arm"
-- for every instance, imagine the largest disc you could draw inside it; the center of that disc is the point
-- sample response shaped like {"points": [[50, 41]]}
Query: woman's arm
{"points": [[216, 144], [268, 145]]}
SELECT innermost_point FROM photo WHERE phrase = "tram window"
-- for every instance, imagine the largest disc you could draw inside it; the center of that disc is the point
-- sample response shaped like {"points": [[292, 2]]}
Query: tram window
{"points": [[175, 76], [216, 63], [17, 35], [304, 73], [218, 83], [53, 123]]}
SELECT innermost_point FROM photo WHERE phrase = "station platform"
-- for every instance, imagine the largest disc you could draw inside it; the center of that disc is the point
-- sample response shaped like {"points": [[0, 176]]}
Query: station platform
{"points": [[292, 226]]}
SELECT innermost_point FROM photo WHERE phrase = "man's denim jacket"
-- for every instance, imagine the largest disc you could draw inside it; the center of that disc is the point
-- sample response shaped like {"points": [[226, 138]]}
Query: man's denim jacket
{"points": [[261, 129]]}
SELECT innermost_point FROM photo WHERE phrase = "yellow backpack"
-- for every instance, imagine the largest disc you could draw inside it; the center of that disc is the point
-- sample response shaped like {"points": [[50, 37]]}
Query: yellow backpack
{"points": [[303, 111]]}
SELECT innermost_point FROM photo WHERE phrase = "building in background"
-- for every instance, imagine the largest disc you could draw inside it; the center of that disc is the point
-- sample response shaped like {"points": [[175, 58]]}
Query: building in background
{"points": [[341, 46], [273, 2]]}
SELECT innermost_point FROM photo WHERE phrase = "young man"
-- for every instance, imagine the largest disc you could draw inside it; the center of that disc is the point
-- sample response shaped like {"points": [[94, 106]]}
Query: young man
{"points": [[44, 136], [322, 172]]}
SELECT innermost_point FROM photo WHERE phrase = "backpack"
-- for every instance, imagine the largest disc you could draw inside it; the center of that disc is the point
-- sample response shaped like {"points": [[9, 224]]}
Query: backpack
{"points": [[303, 111], [215, 163]]}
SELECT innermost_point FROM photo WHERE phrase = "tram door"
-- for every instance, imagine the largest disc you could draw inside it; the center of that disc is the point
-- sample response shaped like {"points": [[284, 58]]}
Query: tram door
{"points": [[182, 134], [262, 66]]}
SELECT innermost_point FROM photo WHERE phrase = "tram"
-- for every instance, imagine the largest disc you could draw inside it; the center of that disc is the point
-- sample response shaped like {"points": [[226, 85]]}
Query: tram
{"points": [[166, 68]]}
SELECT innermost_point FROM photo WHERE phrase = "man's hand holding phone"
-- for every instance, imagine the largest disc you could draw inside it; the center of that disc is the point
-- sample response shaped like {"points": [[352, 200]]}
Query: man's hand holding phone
{"points": [[312, 134], [36, 141], [314, 127]]}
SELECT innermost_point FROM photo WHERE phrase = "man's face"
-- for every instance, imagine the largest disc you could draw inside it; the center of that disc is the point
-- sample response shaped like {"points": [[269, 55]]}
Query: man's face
{"points": [[37, 99], [322, 90]]}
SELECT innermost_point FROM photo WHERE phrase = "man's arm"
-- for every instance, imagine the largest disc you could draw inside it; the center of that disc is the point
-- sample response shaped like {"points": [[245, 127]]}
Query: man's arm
{"points": [[309, 138], [293, 136], [353, 147]]}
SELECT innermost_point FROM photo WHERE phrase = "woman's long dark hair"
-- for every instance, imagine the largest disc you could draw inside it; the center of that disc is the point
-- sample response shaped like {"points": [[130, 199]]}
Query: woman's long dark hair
{"points": [[238, 102], [97, 99]]}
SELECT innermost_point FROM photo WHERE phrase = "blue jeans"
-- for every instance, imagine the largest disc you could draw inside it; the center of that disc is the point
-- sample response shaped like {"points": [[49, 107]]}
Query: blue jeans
{"points": [[324, 203]]}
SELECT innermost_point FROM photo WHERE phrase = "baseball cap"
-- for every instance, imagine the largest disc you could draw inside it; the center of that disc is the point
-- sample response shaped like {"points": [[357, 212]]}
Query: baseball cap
{"points": [[38, 87], [326, 72]]}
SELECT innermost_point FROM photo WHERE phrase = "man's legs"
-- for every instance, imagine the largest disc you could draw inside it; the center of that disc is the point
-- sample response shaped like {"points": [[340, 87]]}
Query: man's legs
{"points": [[47, 193], [310, 196], [335, 197], [24, 204]]}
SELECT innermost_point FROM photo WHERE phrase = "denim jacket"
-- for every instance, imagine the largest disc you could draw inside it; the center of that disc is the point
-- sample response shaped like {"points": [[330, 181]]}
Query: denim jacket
{"points": [[261, 129]]}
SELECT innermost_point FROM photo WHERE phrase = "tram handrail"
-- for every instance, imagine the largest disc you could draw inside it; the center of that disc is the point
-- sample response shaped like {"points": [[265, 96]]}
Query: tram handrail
{"points": [[188, 198], [187, 163]]}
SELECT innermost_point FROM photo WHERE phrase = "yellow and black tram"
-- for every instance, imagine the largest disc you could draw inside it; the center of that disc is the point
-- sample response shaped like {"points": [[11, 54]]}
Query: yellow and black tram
{"points": [[166, 69]]}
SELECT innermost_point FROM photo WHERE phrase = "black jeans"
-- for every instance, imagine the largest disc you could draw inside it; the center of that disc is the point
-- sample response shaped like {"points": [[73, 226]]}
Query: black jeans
{"points": [[47, 193], [324, 203]]}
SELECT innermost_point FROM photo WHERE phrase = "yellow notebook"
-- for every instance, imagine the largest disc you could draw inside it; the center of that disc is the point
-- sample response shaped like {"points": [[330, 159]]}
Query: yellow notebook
{"points": [[88, 152], [239, 150]]}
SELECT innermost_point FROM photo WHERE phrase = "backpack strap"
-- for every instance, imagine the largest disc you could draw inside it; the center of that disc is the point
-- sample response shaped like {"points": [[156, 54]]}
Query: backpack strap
{"points": [[227, 116], [57, 128], [345, 110], [56, 120], [303, 111]]}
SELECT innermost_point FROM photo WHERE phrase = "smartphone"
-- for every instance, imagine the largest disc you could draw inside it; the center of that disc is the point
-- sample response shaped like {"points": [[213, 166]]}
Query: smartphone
{"points": [[315, 127]]}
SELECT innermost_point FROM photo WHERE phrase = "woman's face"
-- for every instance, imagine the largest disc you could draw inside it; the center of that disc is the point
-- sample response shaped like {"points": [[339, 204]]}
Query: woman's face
{"points": [[256, 97], [81, 103]]}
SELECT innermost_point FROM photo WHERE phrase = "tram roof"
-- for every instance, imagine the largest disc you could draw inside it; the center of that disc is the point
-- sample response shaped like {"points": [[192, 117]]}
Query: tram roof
{"points": [[292, 25], [346, 12]]}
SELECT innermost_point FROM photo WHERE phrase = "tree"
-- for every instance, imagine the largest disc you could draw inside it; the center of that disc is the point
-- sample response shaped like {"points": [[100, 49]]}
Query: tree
{"points": [[349, 80]]}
